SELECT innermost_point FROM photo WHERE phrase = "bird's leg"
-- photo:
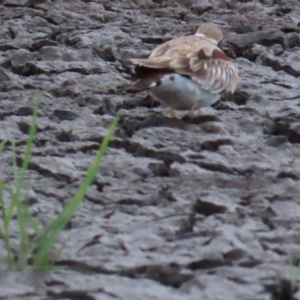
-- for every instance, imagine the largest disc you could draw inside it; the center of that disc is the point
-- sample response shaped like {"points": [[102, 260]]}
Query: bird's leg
{"points": [[172, 113], [191, 113]]}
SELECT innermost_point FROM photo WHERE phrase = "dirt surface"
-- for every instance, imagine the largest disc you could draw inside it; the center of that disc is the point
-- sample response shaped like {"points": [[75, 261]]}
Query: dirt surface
{"points": [[198, 209]]}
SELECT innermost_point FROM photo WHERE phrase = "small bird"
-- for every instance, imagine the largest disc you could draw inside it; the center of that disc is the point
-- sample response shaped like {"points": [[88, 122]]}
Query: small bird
{"points": [[188, 72]]}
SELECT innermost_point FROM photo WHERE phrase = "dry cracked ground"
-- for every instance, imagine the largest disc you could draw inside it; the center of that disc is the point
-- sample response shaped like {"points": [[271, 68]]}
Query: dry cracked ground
{"points": [[197, 209]]}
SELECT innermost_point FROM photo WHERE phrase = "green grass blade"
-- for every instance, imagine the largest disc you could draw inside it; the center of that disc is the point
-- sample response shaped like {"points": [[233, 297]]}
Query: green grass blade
{"points": [[6, 212], [12, 205], [19, 177], [22, 230], [33, 222], [4, 187], [5, 234], [50, 233], [2, 144], [29, 144], [3, 208], [14, 160], [21, 218], [295, 274], [16, 202]]}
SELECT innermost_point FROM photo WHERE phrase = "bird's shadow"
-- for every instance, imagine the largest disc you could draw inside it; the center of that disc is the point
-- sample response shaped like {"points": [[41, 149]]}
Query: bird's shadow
{"points": [[160, 120]]}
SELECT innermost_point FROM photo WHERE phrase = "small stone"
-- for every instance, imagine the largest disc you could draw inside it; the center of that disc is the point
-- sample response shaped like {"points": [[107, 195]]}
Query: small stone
{"points": [[277, 49], [65, 115]]}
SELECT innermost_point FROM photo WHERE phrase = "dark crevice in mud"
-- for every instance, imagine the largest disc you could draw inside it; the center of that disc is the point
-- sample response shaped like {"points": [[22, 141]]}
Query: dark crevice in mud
{"points": [[31, 67], [51, 21], [64, 136], [105, 108], [284, 174], [139, 202], [275, 82], [277, 66], [49, 194], [167, 275], [144, 102], [283, 128], [156, 40], [185, 230], [233, 257], [8, 144], [94, 200], [3, 115], [44, 172], [268, 222], [84, 148], [276, 127], [40, 44], [28, 71], [12, 33], [293, 137], [208, 208], [156, 120], [207, 263], [214, 145], [183, 124], [160, 169], [244, 42], [249, 263], [213, 167], [65, 115], [47, 173], [131, 125], [7, 48], [239, 97], [83, 268], [200, 119], [71, 295], [138, 150], [165, 192], [281, 290], [34, 3], [24, 111], [40, 142], [247, 172]]}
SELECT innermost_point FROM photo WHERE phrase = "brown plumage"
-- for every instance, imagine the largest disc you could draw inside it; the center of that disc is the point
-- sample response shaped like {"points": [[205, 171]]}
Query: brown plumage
{"points": [[196, 57]]}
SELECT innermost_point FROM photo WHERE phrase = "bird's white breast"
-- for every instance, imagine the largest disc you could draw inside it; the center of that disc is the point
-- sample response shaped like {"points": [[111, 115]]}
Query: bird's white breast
{"points": [[180, 92]]}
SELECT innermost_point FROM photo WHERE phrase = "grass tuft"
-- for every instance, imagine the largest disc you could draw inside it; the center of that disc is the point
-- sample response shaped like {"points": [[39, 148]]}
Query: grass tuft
{"points": [[37, 249]]}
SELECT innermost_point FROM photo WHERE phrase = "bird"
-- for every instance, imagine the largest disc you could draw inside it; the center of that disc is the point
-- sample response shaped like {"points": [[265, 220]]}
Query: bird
{"points": [[187, 72]]}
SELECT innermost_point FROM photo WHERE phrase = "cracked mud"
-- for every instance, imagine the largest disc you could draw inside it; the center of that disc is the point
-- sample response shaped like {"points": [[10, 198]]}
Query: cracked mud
{"points": [[180, 209]]}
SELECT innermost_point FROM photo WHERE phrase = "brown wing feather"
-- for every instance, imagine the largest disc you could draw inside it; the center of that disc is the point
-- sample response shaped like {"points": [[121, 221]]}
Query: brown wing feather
{"points": [[181, 46], [196, 57], [150, 63], [147, 78], [215, 76]]}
